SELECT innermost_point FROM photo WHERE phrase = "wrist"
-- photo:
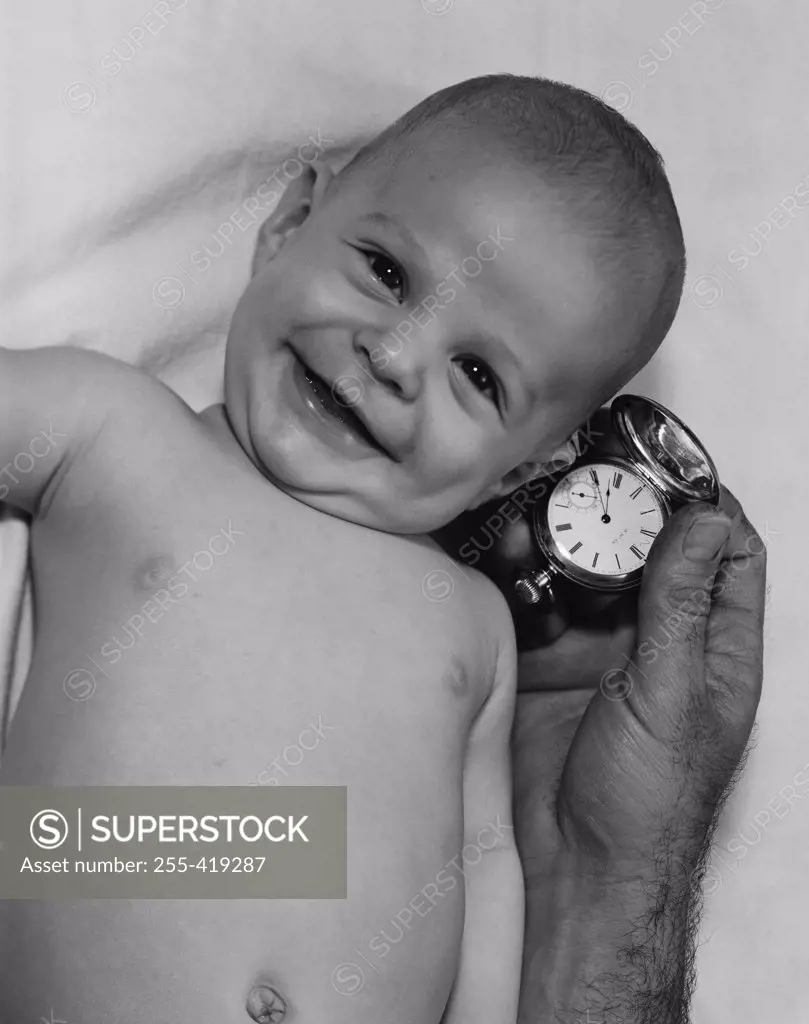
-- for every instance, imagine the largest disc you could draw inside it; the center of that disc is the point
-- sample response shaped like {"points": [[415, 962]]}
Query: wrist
{"points": [[673, 850], [606, 948]]}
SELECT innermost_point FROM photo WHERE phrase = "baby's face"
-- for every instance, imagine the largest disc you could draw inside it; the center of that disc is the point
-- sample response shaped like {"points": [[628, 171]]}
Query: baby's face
{"points": [[414, 340]]}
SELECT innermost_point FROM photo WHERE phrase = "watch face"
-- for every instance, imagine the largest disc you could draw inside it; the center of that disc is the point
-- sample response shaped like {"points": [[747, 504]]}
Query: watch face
{"points": [[603, 518]]}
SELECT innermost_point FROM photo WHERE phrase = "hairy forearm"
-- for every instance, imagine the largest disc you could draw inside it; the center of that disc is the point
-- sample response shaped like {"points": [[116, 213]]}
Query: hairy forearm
{"points": [[600, 951]]}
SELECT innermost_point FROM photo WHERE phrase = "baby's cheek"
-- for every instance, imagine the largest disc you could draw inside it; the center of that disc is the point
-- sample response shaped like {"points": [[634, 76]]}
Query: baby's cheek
{"points": [[452, 486], [461, 453]]}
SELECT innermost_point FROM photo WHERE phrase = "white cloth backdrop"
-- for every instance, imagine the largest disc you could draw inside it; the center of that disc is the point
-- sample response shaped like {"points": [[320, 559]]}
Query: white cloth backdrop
{"points": [[131, 133]]}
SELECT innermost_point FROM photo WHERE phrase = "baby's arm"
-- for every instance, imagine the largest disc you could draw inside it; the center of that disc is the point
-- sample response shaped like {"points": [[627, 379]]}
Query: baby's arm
{"points": [[488, 981], [48, 410], [53, 403]]}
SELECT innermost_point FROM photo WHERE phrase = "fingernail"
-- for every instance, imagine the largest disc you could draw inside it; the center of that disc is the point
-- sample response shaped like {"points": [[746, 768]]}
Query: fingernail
{"points": [[705, 538]]}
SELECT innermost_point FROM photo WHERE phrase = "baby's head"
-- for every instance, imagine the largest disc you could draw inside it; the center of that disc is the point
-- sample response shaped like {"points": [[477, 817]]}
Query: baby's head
{"points": [[426, 328]]}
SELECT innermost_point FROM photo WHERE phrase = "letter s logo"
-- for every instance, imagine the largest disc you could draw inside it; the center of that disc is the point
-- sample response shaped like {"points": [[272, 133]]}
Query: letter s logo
{"points": [[49, 829]]}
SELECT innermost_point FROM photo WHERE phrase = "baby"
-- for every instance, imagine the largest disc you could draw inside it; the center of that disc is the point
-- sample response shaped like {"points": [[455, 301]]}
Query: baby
{"points": [[421, 333]]}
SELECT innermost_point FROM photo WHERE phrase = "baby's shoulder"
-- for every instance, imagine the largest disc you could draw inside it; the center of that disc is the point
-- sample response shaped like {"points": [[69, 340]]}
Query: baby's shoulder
{"points": [[450, 604], [96, 391], [121, 422], [456, 588], [125, 397]]}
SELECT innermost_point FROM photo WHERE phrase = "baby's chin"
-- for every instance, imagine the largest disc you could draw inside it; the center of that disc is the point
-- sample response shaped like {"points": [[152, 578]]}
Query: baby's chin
{"points": [[366, 507], [368, 492], [328, 489]]}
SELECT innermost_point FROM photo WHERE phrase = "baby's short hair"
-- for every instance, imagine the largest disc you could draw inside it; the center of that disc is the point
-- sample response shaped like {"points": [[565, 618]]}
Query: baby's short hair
{"points": [[604, 168]]}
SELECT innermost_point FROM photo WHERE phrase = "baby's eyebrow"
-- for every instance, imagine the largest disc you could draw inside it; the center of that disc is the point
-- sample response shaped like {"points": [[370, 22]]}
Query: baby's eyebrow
{"points": [[529, 390], [384, 220]]}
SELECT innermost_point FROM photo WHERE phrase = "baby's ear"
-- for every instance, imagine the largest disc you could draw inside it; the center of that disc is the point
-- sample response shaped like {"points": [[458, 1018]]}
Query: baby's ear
{"points": [[298, 199]]}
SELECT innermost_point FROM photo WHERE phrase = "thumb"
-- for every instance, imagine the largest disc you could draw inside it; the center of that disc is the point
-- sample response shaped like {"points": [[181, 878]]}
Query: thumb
{"points": [[675, 602], [648, 736]]}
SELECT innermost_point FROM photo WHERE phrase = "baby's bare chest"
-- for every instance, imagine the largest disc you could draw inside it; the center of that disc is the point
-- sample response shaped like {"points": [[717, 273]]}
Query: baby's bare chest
{"points": [[194, 626], [244, 624]]}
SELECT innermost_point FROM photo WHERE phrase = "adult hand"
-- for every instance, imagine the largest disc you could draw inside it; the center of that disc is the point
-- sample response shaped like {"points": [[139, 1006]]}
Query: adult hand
{"points": [[633, 719], [650, 739], [617, 791]]}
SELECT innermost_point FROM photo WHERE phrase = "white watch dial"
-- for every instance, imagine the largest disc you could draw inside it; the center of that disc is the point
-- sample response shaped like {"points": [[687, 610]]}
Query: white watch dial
{"points": [[604, 518]]}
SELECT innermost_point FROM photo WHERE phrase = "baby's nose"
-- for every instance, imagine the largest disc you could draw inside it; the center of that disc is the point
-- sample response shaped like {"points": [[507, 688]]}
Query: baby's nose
{"points": [[265, 1005], [395, 360]]}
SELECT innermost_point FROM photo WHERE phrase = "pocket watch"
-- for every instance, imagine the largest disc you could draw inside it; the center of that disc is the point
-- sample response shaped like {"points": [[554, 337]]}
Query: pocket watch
{"points": [[596, 525]]}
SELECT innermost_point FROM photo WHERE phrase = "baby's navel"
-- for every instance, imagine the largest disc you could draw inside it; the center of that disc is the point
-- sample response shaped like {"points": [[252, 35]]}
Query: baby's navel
{"points": [[265, 1005]]}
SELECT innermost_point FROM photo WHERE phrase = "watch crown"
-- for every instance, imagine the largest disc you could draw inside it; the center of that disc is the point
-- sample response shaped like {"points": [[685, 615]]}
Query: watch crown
{"points": [[534, 587]]}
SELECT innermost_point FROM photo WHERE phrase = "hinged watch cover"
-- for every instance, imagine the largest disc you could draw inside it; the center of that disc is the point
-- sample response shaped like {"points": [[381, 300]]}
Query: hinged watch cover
{"points": [[664, 448]]}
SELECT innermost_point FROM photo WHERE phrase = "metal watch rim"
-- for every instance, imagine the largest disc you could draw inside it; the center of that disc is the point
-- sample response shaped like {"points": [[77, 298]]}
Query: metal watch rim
{"points": [[585, 577]]}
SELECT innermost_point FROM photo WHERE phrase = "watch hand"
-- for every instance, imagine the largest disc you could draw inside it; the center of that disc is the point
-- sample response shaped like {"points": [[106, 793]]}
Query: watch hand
{"points": [[607, 509], [598, 492]]}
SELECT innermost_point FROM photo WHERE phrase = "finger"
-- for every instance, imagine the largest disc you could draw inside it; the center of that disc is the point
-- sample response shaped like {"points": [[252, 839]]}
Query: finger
{"points": [[598, 609], [576, 659], [544, 727], [729, 503], [734, 643]]}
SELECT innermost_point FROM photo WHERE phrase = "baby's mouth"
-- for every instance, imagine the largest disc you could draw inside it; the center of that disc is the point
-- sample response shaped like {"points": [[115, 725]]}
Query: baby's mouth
{"points": [[341, 411]]}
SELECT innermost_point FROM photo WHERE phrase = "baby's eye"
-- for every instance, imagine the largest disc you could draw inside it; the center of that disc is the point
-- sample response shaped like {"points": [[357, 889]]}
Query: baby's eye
{"points": [[387, 271], [481, 377]]}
